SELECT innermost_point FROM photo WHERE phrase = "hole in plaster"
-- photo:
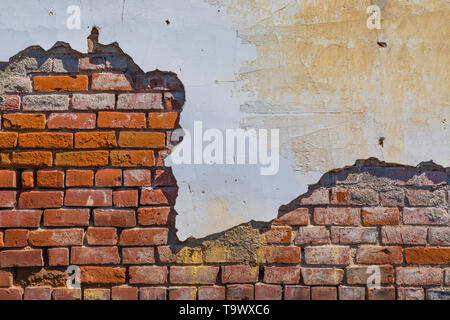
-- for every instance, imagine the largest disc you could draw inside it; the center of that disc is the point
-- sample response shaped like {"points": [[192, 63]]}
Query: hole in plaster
{"points": [[381, 141], [382, 44]]}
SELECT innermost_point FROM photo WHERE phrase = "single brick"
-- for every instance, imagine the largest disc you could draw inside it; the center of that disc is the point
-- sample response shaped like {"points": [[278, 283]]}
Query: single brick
{"points": [[404, 235], [438, 294], [27, 180], [8, 140], [16, 83], [8, 179], [121, 120], [8, 199], [153, 216], [17, 121], [50, 179], [362, 274], [297, 293], [283, 254], [160, 196], [337, 216], [125, 198], [353, 235], [419, 198], [38, 159], [101, 236], [137, 178], [379, 255], [163, 120], [352, 293], [322, 276], [211, 293], [66, 217], [41, 199], [164, 178], [124, 293], [430, 216], [96, 294], [53, 102], [439, 236], [393, 198], [20, 218], [380, 216], [6, 279], [240, 292], [337, 255], [316, 197], [95, 63], [114, 218], [95, 140], [66, 294], [410, 294], [61, 83], [139, 101], [58, 256], [144, 237], [102, 275], [282, 235], [267, 291], [182, 293], [130, 139], [152, 293], [21, 258], [148, 275], [98, 101], [193, 275], [427, 255], [9, 103], [82, 159], [138, 255], [16, 238], [38, 293], [11, 294], [56, 237], [108, 178], [349, 196], [111, 82], [282, 275], [420, 276], [79, 178], [323, 293], [381, 293], [94, 255], [88, 198], [239, 274], [298, 217], [71, 121], [138, 158]]}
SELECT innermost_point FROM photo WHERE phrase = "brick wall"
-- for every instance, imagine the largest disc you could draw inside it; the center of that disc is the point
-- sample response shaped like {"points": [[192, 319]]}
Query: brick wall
{"points": [[83, 182]]}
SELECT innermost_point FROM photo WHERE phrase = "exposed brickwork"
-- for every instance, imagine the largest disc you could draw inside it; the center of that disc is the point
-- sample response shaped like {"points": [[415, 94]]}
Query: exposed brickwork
{"points": [[83, 182]]}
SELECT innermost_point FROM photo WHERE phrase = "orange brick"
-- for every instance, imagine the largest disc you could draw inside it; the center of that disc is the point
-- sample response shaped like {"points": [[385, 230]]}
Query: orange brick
{"points": [[50, 179], [140, 158], [82, 159], [111, 81], [89, 140], [108, 178], [121, 120], [31, 159], [16, 121], [129, 139], [71, 121], [7, 179], [137, 178], [8, 140], [46, 140], [427, 255], [61, 83], [162, 120], [103, 275], [79, 178], [27, 180]]}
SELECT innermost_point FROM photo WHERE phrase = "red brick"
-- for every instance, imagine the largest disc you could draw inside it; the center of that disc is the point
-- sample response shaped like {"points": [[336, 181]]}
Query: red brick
{"points": [[323, 293], [88, 198], [103, 275], [182, 293], [41, 199], [193, 275], [361, 274], [279, 235], [379, 255], [439, 236], [240, 274], [404, 235], [144, 237], [421, 276], [337, 216], [71, 121], [56, 237], [153, 293], [337, 255], [352, 293], [427, 255], [381, 293], [96, 294], [66, 294], [447, 276], [298, 217], [21, 258], [153, 216], [138, 255], [430, 216], [410, 293], [312, 235], [16, 238], [58, 256], [101, 236], [240, 292], [380, 216], [111, 82], [11, 294], [50, 179], [353, 235], [124, 293], [10, 103], [94, 255], [137, 178], [419, 198], [114, 218], [322, 276], [148, 275], [297, 293], [6, 279], [316, 197], [282, 275], [121, 120], [108, 178], [160, 196], [393, 198], [7, 179], [267, 291], [66, 217], [140, 101], [61, 83], [20, 218], [349, 196], [8, 199], [38, 293], [283, 254], [211, 293], [125, 198], [79, 178]]}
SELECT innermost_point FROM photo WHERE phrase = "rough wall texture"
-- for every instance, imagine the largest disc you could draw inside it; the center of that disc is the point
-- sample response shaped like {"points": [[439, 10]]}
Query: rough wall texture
{"points": [[83, 183]]}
